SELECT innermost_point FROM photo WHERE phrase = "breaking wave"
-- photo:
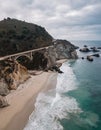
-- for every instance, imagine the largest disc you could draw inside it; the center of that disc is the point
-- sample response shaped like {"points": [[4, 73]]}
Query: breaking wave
{"points": [[51, 108]]}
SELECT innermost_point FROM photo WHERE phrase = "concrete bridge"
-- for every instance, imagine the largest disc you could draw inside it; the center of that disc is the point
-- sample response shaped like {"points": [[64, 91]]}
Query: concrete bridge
{"points": [[28, 54]]}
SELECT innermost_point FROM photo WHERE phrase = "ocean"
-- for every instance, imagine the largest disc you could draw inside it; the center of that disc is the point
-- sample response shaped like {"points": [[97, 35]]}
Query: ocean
{"points": [[75, 103]]}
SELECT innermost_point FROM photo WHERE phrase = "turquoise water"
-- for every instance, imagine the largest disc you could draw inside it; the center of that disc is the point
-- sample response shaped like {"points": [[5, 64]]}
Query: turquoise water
{"points": [[88, 93], [75, 103]]}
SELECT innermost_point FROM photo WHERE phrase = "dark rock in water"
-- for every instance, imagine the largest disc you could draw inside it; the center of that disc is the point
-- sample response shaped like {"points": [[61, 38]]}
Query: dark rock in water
{"points": [[99, 48], [3, 102], [56, 69], [76, 47], [59, 71], [94, 49], [82, 58], [85, 45], [96, 55], [85, 49], [89, 58]]}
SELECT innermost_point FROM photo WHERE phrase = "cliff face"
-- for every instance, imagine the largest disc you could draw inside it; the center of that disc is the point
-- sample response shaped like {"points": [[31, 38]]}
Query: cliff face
{"points": [[17, 36], [11, 75], [45, 59], [64, 49]]}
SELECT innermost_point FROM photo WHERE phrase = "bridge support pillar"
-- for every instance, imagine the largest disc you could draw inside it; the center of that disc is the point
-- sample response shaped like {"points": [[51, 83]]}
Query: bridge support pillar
{"points": [[31, 56]]}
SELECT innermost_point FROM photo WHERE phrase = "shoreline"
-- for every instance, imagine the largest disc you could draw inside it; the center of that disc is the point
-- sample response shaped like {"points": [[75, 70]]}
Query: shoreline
{"points": [[15, 116], [22, 100]]}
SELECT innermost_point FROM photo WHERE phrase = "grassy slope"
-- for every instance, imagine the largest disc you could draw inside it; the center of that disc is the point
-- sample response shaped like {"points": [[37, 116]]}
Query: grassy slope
{"points": [[17, 36]]}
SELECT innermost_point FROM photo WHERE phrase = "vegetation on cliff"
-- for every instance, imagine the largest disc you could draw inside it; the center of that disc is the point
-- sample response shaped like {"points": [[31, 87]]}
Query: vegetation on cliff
{"points": [[17, 36]]}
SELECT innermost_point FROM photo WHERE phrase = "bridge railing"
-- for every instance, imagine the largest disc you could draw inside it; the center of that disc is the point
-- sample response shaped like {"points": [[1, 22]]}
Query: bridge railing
{"points": [[25, 52]]}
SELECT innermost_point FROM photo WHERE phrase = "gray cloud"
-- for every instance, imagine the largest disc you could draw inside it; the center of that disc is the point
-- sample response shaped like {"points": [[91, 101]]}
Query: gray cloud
{"points": [[68, 19]]}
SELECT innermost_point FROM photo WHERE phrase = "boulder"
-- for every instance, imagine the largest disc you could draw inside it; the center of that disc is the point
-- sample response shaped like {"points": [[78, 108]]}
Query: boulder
{"points": [[3, 87], [82, 58], [96, 55], [99, 48], [11, 75], [3, 102], [94, 49], [56, 68], [85, 45], [85, 49], [89, 58]]}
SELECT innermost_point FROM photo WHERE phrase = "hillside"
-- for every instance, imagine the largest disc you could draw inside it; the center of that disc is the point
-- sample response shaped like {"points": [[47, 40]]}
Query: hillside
{"points": [[17, 36]]}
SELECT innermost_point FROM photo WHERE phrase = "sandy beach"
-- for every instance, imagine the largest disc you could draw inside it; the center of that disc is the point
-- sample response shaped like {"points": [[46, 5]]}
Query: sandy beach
{"points": [[15, 116]]}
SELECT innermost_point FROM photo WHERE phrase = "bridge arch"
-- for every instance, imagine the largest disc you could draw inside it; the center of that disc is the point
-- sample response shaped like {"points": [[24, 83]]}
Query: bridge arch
{"points": [[24, 60], [24, 55]]}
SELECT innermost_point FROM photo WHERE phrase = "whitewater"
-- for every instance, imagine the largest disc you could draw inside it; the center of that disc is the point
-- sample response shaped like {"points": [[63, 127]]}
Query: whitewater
{"points": [[53, 106]]}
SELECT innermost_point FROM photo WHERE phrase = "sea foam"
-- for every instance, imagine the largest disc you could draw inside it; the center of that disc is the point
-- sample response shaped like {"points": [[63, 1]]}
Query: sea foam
{"points": [[51, 108], [67, 80]]}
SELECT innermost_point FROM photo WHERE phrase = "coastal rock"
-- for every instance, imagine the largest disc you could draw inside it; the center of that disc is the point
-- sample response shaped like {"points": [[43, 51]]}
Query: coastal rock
{"points": [[82, 58], [11, 75], [56, 68], [96, 55], [89, 58], [94, 49], [3, 87], [64, 49], [3, 102], [99, 48], [46, 58], [85, 49], [85, 45]]}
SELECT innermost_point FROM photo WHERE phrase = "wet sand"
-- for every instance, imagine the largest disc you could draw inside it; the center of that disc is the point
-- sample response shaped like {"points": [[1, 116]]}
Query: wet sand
{"points": [[15, 116]]}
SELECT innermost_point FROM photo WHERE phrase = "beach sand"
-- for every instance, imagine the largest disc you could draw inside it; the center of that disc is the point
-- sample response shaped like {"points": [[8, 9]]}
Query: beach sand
{"points": [[15, 116]]}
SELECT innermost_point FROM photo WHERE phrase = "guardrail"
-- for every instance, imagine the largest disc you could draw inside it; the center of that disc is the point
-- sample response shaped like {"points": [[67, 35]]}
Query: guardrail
{"points": [[25, 52]]}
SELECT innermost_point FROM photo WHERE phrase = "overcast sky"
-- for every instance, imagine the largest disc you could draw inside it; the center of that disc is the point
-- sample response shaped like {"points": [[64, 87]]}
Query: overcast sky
{"points": [[65, 19]]}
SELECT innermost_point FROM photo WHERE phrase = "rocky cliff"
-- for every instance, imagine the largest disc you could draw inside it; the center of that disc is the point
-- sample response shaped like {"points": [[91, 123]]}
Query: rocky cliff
{"points": [[17, 36], [11, 75]]}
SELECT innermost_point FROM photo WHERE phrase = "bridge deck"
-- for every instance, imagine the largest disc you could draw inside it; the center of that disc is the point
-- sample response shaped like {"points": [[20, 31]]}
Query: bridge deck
{"points": [[25, 52]]}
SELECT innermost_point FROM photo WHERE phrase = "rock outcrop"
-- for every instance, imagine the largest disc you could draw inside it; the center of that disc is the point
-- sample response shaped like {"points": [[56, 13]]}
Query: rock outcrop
{"points": [[94, 49], [11, 75], [85, 49], [89, 58], [96, 55], [3, 102], [64, 49], [46, 59]]}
